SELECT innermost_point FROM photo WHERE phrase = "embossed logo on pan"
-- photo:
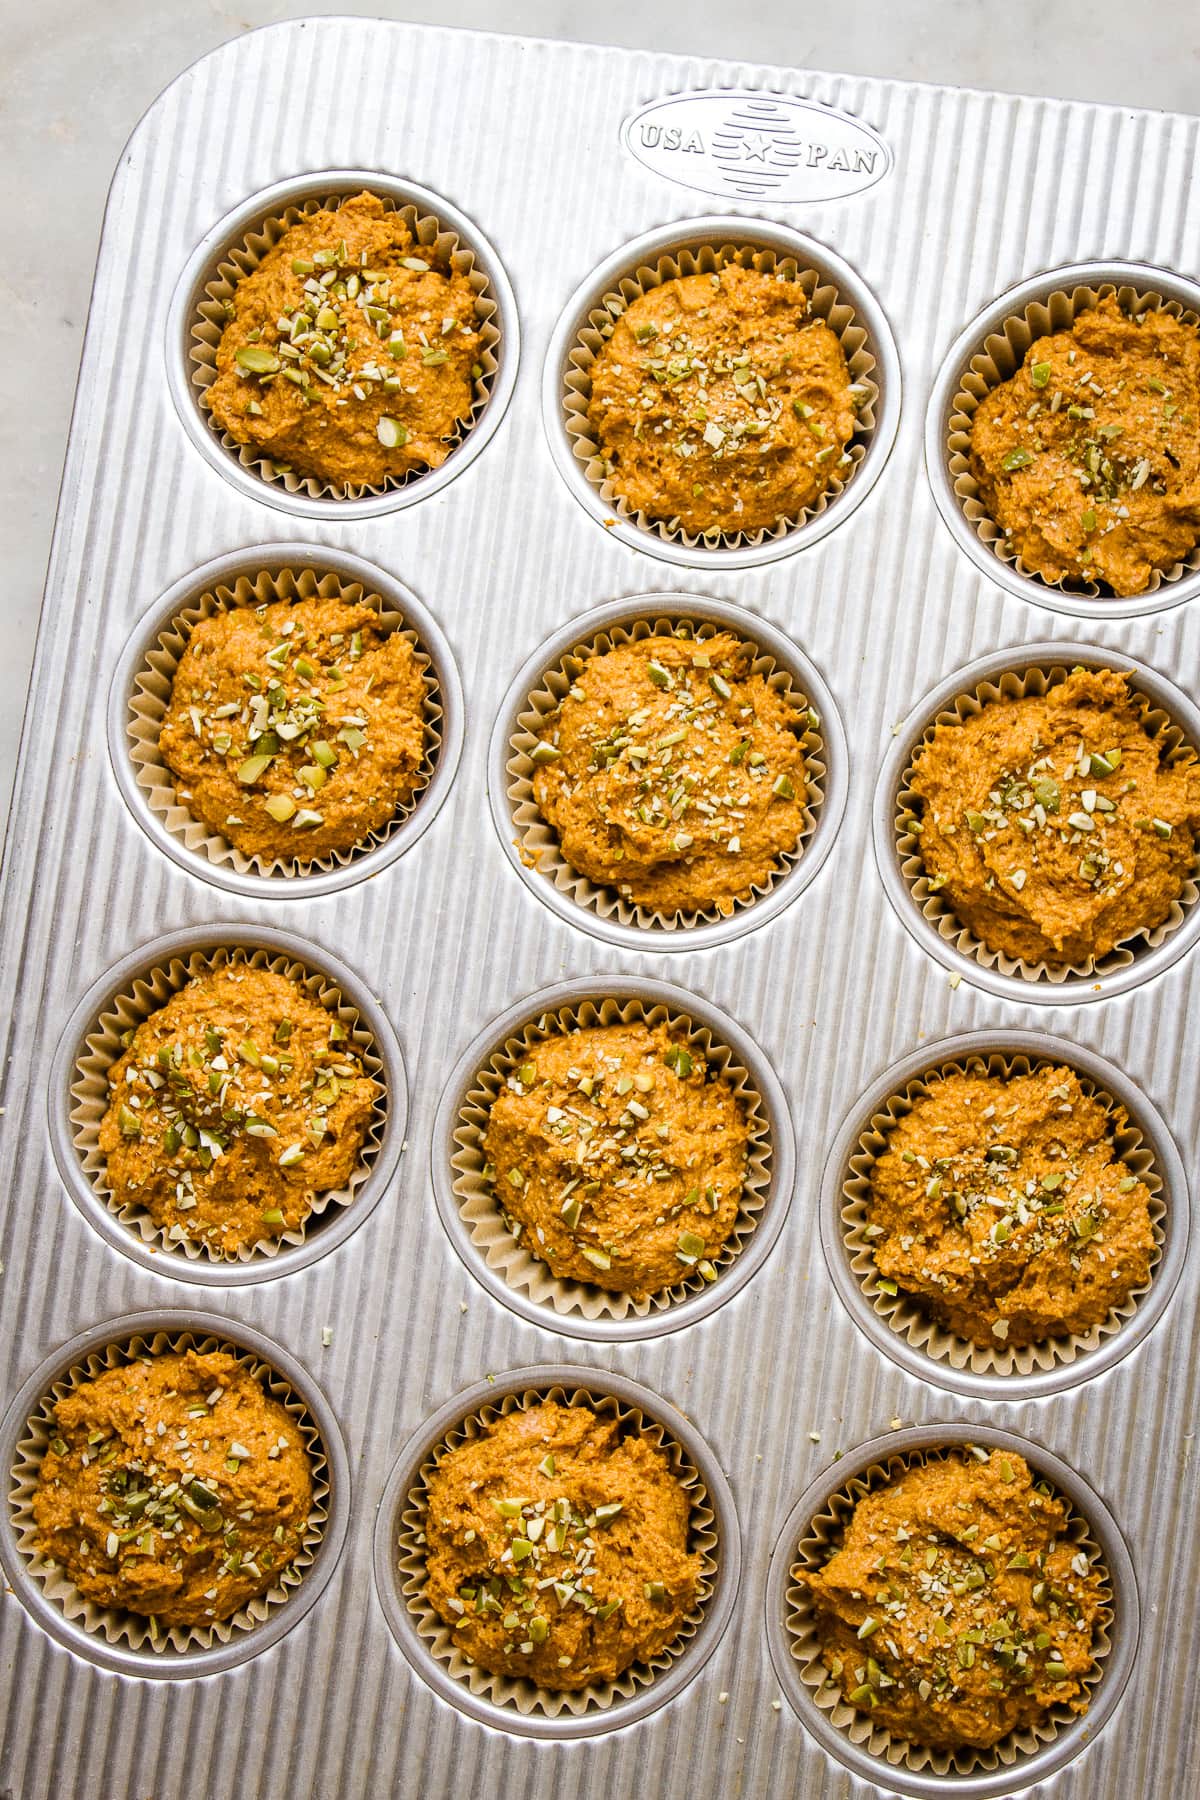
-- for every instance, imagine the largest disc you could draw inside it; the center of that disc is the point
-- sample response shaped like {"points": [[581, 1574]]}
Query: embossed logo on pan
{"points": [[736, 144]]}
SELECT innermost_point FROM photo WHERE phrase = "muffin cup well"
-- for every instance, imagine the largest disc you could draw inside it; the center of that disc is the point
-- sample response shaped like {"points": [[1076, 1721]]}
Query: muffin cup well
{"points": [[531, 845], [847, 1735], [128, 1642], [235, 247], [836, 294], [1010, 675], [518, 1706], [898, 1324], [467, 1204], [141, 693], [990, 351], [129, 994]]}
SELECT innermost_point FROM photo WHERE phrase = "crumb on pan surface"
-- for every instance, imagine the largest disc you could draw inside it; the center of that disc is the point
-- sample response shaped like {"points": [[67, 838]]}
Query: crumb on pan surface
{"points": [[1088, 458], [957, 1608], [1054, 826], [674, 773], [619, 1156], [1000, 1204], [719, 403], [351, 355], [557, 1547], [175, 1487], [295, 729], [234, 1105]]}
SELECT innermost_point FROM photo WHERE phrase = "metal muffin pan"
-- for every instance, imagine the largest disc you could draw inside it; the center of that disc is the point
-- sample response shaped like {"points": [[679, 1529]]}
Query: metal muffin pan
{"points": [[979, 192]]}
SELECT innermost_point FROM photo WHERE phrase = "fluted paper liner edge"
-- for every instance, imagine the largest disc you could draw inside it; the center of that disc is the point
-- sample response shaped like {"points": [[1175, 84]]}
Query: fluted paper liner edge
{"points": [[114, 1624], [1015, 684], [151, 692], [208, 320], [101, 1047], [825, 303], [904, 1313], [820, 1538], [525, 1272], [995, 361], [538, 841], [436, 1636]]}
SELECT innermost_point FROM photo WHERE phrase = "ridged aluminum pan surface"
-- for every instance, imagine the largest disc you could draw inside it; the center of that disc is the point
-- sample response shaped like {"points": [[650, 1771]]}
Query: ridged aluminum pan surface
{"points": [[524, 139]]}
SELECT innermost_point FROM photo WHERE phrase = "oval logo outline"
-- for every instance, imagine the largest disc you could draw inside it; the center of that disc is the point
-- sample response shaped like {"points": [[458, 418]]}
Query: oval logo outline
{"points": [[754, 145]]}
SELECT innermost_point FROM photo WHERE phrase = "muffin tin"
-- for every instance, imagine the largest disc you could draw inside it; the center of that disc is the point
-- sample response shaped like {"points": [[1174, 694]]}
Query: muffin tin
{"points": [[830, 986]]}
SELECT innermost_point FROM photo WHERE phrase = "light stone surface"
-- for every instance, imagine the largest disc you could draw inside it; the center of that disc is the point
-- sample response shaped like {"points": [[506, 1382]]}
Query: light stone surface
{"points": [[75, 78]]}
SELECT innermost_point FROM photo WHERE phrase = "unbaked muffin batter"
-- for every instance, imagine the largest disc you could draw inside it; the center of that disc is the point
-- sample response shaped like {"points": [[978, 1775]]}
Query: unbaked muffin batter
{"points": [[619, 1157], [558, 1547], [1054, 826], [1000, 1203], [352, 351], [674, 773], [957, 1608], [720, 403], [175, 1487], [1088, 458], [234, 1106], [295, 729]]}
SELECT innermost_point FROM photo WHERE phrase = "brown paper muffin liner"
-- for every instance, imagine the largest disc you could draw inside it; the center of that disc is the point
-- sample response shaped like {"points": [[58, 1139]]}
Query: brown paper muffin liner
{"points": [[821, 1538], [139, 1632], [1014, 685], [507, 1252], [539, 843], [240, 259], [151, 694], [996, 360], [825, 303], [103, 1045], [523, 1695], [906, 1316]]}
